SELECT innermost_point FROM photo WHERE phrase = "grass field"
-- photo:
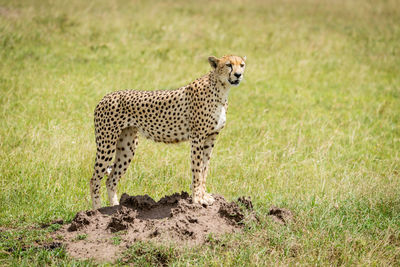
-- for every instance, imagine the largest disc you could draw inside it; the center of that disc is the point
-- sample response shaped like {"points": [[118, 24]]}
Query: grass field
{"points": [[315, 126]]}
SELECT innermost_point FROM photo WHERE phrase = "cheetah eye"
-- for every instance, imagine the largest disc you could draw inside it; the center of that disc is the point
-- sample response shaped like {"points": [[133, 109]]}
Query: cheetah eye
{"points": [[242, 65], [229, 65]]}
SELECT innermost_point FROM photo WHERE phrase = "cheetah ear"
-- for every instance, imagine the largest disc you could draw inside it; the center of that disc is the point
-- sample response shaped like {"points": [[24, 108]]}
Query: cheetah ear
{"points": [[213, 61], [244, 58]]}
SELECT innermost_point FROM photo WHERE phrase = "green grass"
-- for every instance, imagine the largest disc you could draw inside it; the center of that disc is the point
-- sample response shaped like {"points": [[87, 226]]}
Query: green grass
{"points": [[314, 128]]}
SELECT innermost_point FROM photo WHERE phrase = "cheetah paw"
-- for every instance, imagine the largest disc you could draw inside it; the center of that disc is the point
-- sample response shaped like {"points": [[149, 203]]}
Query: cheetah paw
{"points": [[207, 199]]}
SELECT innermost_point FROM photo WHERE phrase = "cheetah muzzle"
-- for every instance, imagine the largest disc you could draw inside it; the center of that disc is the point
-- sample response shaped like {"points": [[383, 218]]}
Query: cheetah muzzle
{"points": [[195, 112]]}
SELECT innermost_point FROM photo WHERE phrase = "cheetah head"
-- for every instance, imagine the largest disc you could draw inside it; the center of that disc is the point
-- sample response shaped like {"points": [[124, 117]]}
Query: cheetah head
{"points": [[228, 68]]}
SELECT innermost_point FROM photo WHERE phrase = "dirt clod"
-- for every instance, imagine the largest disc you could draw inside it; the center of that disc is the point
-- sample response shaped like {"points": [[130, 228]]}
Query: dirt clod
{"points": [[81, 220], [122, 219], [137, 202], [173, 219], [280, 215], [53, 245], [232, 212], [246, 201]]}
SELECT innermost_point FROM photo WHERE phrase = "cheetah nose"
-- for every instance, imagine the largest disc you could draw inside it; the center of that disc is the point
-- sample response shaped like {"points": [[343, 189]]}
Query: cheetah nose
{"points": [[237, 75]]}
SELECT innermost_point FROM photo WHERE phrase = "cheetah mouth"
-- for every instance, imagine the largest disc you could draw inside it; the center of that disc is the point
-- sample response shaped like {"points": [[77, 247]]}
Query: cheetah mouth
{"points": [[234, 82]]}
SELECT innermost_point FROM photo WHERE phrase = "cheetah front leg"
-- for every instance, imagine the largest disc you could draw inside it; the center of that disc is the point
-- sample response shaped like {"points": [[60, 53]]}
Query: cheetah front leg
{"points": [[197, 171], [208, 147]]}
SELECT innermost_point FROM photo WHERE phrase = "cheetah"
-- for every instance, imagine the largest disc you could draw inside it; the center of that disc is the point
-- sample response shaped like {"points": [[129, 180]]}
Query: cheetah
{"points": [[195, 112]]}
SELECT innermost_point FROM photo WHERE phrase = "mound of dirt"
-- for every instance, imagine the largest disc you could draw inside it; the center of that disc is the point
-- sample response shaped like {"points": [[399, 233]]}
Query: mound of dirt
{"points": [[105, 233]]}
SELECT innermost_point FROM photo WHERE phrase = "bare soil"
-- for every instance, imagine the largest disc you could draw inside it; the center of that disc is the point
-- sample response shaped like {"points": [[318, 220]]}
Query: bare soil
{"points": [[105, 233]]}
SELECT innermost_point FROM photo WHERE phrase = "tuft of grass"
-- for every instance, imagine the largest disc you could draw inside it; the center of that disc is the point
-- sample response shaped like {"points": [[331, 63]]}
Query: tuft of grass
{"points": [[148, 254], [116, 240], [314, 127], [81, 237], [54, 227]]}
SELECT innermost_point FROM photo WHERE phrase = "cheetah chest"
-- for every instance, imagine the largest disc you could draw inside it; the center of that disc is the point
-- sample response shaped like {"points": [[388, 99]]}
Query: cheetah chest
{"points": [[220, 117]]}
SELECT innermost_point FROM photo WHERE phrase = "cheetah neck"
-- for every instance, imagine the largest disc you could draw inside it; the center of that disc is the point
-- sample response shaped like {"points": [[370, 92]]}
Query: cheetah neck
{"points": [[221, 89]]}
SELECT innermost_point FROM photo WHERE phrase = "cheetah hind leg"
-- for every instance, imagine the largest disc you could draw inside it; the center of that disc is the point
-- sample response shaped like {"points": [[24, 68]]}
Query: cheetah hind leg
{"points": [[126, 145], [103, 160]]}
